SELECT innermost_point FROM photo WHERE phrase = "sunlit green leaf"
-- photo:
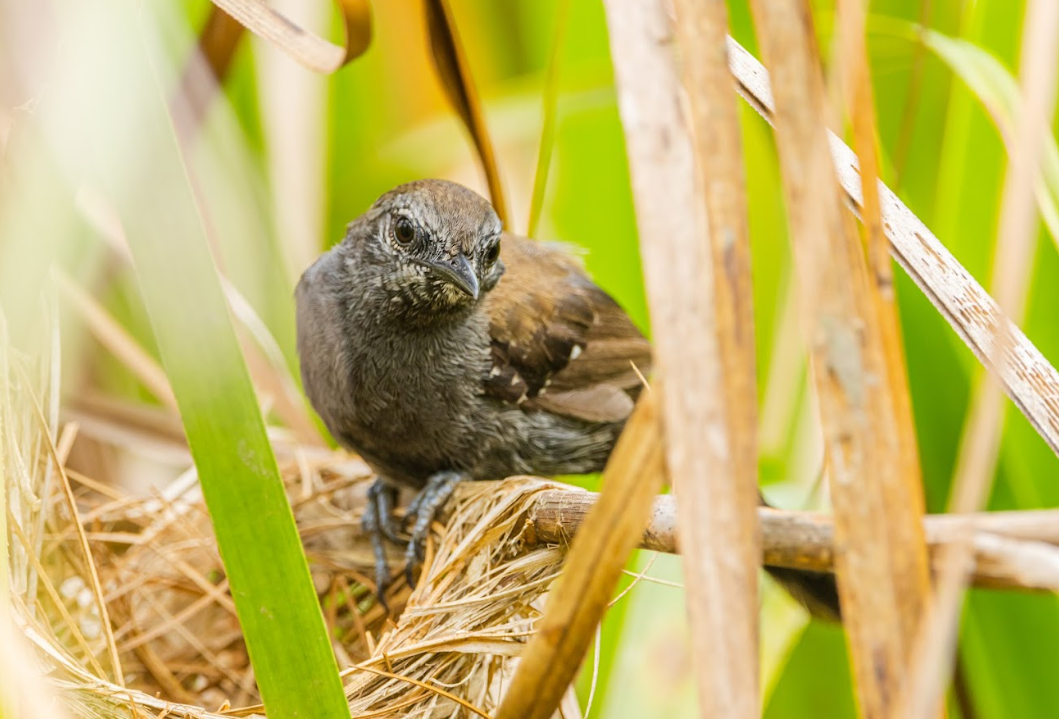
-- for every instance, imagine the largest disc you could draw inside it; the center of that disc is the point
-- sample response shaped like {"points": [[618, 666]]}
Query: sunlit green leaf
{"points": [[138, 163]]}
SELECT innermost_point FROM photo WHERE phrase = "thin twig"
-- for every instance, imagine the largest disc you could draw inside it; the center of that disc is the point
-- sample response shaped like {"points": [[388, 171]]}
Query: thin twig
{"points": [[1013, 550]]}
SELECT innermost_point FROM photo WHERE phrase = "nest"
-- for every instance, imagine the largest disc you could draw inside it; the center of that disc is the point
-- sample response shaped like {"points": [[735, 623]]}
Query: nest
{"points": [[152, 563]]}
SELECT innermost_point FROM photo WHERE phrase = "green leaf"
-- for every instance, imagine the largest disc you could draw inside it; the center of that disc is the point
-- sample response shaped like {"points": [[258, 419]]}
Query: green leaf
{"points": [[114, 89], [998, 91]]}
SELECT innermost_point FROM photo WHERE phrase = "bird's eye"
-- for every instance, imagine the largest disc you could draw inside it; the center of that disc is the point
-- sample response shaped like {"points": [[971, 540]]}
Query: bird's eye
{"points": [[492, 253], [403, 231]]}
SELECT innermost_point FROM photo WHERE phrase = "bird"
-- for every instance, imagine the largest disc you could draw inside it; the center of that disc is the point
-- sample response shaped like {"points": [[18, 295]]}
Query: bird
{"points": [[442, 348]]}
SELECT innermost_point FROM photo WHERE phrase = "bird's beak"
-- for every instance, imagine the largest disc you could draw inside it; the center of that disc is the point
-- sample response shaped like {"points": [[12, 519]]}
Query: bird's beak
{"points": [[459, 272]]}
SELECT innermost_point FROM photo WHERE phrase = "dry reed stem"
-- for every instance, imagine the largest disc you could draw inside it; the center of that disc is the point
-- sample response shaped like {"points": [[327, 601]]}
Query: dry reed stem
{"points": [[874, 514], [1013, 256], [578, 600], [853, 68], [724, 611], [691, 337], [1028, 378]]}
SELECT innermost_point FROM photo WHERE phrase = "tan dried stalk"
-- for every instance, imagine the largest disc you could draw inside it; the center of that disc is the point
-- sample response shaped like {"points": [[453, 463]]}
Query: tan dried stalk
{"points": [[874, 515], [852, 66], [577, 602], [723, 610]]}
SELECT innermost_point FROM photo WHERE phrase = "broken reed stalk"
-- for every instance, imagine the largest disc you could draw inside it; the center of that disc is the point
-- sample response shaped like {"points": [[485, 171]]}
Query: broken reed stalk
{"points": [[723, 589], [581, 596], [980, 444], [874, 513], [308, 49], [225, 27], [1012, 550]]}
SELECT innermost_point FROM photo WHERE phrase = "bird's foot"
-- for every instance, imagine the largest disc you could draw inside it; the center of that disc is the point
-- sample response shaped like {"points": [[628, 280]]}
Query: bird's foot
{"points": [[421, 513], [379, 524]]}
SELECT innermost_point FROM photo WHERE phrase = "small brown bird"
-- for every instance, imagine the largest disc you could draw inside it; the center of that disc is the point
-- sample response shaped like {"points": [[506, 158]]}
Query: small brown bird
{"points": [[441, 349]]}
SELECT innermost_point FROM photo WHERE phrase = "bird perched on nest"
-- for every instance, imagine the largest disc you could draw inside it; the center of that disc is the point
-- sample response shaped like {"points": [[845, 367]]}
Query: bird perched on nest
{"points": [[441, 348]]}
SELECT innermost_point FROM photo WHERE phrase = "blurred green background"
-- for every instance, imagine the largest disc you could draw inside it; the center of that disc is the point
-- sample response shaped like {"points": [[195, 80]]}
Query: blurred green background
{"points": [[288, 158]]}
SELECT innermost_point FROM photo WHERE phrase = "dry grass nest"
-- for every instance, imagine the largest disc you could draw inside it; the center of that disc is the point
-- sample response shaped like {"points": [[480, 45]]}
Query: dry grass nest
{"points": [[173, 626]]}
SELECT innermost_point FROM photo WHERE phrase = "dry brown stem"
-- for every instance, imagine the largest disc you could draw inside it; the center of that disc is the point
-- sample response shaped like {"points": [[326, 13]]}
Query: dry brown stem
{"points": [[1012, 550], [875, 514], [852, 66]]}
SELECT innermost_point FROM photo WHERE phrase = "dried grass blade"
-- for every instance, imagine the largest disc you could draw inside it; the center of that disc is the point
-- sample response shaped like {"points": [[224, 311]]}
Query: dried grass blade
{"points": [[269, 369], [116, 338], [5, 433], [216, 47], [86, 550], [306, 48], [1013, 257], [579, 598], [909, 112], [857, 413], [53, 594], [718, 508], [455, 72], [218, 41], [429, 687]]}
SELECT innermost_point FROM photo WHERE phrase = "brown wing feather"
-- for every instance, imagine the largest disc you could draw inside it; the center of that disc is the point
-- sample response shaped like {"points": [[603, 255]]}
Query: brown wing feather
{"points": [[559, 342]]}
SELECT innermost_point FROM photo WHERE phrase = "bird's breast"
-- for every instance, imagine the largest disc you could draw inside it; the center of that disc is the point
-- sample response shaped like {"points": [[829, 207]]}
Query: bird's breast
{"points": [[414, 402]]}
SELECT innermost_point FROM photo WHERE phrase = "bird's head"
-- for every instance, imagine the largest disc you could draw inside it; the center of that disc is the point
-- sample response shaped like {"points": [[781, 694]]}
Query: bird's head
{"points": [[426, 248]]}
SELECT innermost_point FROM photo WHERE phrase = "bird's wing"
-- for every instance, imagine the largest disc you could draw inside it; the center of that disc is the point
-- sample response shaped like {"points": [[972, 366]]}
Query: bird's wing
{"points": [[559, 342]]}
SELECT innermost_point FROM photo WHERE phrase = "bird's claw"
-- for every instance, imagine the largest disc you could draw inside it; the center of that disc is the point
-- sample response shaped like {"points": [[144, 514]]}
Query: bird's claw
{"points": [[421, 513], [378, 523]]}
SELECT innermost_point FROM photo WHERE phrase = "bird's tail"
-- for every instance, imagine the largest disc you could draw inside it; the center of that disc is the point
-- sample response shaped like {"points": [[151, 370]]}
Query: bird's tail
{"points": [[816, 591]]}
